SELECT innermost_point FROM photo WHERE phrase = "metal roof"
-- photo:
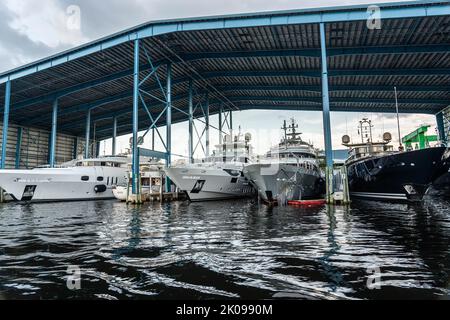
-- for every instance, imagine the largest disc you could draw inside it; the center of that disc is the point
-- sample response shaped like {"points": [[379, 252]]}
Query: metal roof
{"points": [[268, 60]]}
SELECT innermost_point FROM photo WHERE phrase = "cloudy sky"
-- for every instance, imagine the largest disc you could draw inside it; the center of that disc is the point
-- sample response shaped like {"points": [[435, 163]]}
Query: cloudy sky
{"points": [[33, 29]]}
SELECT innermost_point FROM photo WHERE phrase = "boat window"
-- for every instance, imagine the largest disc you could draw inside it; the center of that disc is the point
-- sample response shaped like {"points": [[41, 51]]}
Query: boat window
{"points": [[85, 178], [117, 180], [107, 182], [100, 179], [234, 180]]}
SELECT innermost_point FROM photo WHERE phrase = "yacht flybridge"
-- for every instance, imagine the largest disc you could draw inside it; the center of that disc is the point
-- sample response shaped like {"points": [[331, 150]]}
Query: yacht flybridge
{"points": [[219, 176], [88, 179]]}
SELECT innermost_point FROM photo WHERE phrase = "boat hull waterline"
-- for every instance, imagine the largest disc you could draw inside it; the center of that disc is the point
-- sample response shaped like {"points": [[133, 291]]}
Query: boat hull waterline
{"points": [[284, 182], [404, 176], [61, 184], [207, 184]]}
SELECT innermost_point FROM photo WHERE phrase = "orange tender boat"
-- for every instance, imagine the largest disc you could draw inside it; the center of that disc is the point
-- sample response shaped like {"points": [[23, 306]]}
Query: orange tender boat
{"points": [[307, 203]]}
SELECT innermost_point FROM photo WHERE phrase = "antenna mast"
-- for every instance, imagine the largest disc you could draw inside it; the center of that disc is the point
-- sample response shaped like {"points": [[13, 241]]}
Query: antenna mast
{"points": [[400, 148]]}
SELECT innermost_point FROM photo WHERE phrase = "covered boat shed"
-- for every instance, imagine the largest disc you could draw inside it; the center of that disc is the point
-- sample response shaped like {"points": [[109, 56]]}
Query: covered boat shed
{"points": [[325, 59]]}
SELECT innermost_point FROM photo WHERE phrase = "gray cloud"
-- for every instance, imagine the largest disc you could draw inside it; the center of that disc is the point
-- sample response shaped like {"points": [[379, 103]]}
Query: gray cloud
{"points": [[17, 48]]}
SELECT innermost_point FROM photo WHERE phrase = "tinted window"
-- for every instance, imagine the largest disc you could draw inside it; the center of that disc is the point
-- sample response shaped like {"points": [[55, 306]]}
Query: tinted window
{"points": [[100, 179], [85, 178]]}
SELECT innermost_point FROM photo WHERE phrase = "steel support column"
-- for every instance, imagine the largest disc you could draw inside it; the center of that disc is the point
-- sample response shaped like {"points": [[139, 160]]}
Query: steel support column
{"points": [[135, 149], [221, 124], [88, 135], [191, 122], [53, 134], [207, 126], [231, 124], [75, 148], [326, 113], [169, 123], [114, 138], [19, 146], [441, 127], [6, 123]]}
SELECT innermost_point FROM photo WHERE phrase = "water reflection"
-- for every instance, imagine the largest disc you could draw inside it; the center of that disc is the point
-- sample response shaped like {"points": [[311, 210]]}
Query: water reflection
{"points": [[234, 249]]}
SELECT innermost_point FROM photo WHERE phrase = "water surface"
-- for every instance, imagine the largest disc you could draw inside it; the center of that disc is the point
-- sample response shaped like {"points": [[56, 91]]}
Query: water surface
{"points": [[230, 249]]}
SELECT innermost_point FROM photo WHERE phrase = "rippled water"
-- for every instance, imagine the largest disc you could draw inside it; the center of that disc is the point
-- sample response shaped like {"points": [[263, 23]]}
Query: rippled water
{"points": [[222, 250]]}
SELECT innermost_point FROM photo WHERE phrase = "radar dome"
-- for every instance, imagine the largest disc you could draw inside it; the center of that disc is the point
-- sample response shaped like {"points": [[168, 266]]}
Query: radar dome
{"points": [[387, 137], [346, 139]]}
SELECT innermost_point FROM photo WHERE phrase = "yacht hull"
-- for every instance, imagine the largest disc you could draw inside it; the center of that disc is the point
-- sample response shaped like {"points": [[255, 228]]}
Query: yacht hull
{"points": [[208, 184], [53, 185], [284, 182], [404, 176], [442, 185]]}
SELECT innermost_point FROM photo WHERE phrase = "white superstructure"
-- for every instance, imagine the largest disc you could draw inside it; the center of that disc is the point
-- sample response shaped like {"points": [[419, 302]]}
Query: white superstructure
{"points": [[152, 179], [88, 179], [219, 176]]}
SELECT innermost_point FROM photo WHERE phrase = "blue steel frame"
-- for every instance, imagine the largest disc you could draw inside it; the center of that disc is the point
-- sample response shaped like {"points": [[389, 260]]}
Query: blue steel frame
{"points": [[399, 10], [6, 123], [441, 128], [53, 136], [135, 150], [114, 137], [87, 135], [319, 16]]}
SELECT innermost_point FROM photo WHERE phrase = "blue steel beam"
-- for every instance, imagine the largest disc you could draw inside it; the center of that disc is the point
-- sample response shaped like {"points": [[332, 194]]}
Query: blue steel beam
{"points": [[224, 89], [294, 17], [135, 149], [441, 127], [6, 123], [114, 138], [315, 53], [326, 100], [331, 73], [221, 124], [54, 134], [332, 88], [88, 135], [126, 111], [206, 106], [191, 121], [222, 55], [75, 148], [169, 123], [337, 99], [296, 107], [125, 128]]}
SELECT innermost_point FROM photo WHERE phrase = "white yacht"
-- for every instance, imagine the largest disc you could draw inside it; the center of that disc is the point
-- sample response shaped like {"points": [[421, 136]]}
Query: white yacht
{"points": [[152, 179], [88, 179], [218, 177], [290, 171]]}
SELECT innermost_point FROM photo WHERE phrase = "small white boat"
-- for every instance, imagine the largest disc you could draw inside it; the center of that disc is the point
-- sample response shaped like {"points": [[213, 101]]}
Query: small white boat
{"points": [[152, 179]]}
